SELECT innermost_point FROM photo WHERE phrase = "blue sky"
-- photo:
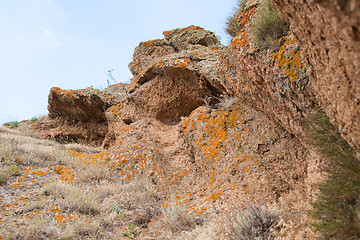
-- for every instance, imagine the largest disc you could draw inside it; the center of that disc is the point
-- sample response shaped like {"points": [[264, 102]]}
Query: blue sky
{"points": [[72, 43]]}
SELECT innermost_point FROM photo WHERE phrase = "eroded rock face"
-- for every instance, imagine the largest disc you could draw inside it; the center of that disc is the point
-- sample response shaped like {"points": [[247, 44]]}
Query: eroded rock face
{"points": [[329, 34], [254, 75], [176, 83], [77, 116], [149, 52]]}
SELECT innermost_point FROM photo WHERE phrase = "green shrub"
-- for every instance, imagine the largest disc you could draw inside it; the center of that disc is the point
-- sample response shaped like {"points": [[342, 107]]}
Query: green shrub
{"points": [[34, 119], [13, 124], [233, 25], [337, 208], [267, 27]]}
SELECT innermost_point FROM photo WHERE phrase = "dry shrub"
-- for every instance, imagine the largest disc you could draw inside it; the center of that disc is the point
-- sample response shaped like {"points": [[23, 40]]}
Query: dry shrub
{"points": [[93, 171], [233, 25], [226, 102], [177, 220], [255, 223]]}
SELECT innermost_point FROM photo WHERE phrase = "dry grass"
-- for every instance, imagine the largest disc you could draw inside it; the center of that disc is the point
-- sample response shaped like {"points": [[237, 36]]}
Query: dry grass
{"points": [[255, 223], [233, 25], [268, 26], [9, 172], [177, 220], [337, 209], [75, 198]]}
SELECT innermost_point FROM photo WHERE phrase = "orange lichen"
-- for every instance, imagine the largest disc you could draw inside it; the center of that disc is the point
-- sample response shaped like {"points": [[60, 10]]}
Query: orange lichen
{"points": [[66, 174], [289, 59]]}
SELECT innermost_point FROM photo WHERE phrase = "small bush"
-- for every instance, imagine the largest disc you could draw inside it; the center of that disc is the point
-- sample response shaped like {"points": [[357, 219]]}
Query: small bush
{"points": [[34, 119], [337, 208], [255, 223], [13, 124], [233, 25], [267, 27]]}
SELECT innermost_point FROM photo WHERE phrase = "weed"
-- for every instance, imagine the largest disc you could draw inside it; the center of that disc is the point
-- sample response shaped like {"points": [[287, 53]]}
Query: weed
{"points": [[338, 205], [233, 25], [267, 27], [256, 223]]}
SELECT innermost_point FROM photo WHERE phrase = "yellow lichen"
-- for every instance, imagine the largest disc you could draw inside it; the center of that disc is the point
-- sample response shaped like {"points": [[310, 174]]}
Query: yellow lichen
{"points": [[287, 59]]}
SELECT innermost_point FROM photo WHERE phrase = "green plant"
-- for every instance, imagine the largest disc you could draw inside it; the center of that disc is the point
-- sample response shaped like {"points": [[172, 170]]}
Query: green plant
{"points": [[34, 119], [13, 124], [117, 209], [337, 209], [233, 25], [255, 223], [267, 26], [130, 231]]}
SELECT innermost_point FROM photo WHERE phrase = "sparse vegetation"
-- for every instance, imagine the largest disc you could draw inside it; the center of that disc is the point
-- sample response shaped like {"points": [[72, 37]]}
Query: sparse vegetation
{"points": [[338, 205], [13, 124], [233, 25], [8, 172], [34, 119], [256, 223], [267, 26], [177, 219]]}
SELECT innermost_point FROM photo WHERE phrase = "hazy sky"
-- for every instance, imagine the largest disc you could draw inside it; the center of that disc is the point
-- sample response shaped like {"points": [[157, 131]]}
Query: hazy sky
{"points": [[72, 43]]}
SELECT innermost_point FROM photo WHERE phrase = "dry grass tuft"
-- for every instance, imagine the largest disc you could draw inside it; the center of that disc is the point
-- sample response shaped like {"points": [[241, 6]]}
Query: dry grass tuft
{"points": [[256, 223], [233, 25], [75, 198], [268, 26], [177, 219]]}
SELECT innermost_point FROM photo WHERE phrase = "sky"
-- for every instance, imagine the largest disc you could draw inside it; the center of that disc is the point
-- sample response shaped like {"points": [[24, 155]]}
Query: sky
{"points": [[72, 44]]}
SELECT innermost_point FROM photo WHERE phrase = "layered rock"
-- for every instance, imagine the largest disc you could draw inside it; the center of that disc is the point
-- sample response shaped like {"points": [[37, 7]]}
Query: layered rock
{"points": [[76, 115], [328, 33]]}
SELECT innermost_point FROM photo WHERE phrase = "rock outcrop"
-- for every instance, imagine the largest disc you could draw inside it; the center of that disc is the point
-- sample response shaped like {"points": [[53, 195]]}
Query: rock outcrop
{"points": [[178, 124], [76, 116], [328, 33]]}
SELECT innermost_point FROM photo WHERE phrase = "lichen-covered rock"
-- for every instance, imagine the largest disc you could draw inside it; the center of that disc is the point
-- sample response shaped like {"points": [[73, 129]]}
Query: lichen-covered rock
{"points": [[175, 84], [147, 53], [272, 81], [76, 115], [185, 38], [328, 33]]}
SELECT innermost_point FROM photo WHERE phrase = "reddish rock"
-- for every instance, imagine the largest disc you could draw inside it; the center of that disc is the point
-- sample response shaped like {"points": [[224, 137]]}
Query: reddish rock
{"points": [[147, 53], [184, 38], [329, 34], [76, 115]]}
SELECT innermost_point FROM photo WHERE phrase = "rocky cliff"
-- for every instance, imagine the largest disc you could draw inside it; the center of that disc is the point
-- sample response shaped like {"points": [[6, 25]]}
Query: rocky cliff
{"points": [[216, 128], [328, 33]]}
